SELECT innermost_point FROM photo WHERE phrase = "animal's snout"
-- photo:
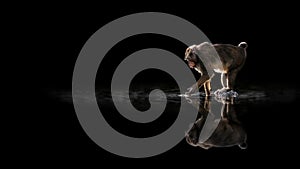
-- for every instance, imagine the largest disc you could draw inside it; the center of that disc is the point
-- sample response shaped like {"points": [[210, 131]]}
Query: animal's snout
{"points": [[191, 64]]}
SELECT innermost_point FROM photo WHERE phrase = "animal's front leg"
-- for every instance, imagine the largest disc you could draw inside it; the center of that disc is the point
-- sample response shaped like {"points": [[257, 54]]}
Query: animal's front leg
{"points": [[207, 88], [197, 85], [202, 80], [207, 104]]}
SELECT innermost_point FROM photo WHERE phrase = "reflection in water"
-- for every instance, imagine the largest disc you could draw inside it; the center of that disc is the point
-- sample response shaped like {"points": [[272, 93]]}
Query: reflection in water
{"points": [[215, 127], [224, 128], [244, 96], [227, 131]]}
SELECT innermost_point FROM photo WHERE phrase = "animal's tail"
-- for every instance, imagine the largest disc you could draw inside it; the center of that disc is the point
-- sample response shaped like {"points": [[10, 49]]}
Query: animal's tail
{"points": [[243, 45]]}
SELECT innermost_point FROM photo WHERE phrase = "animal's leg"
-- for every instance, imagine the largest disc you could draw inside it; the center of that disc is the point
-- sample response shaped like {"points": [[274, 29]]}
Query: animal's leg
{"points": [[207, 104], [224, 80], [202, 80], [207, 88], [197, 85], [231, 75]]}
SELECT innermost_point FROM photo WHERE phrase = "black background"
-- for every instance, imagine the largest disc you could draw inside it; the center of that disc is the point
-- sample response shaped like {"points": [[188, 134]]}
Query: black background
{"points": [[52, 35]]}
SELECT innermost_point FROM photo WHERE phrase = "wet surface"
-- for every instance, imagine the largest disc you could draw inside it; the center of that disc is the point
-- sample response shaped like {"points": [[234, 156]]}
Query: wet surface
{"points": [[257, 96], [231, 123], [267, 105], [260, 122]]}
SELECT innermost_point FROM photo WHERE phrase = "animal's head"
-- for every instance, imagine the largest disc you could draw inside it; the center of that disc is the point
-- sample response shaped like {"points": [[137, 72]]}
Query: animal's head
{"points": [[191, 57]]}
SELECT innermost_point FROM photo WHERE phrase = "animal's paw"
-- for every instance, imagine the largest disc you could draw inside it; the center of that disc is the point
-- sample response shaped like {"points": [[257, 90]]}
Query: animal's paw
{"points": [[225, 93], [191, 90]]}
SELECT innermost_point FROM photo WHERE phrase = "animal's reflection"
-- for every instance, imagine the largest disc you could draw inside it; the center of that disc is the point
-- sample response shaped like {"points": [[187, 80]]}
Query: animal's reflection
{"points": [[216, 128]]}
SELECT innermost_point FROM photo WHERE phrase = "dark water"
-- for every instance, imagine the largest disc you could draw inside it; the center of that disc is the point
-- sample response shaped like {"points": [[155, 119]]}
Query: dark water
{"points": [[249, 126], [264, 114]]}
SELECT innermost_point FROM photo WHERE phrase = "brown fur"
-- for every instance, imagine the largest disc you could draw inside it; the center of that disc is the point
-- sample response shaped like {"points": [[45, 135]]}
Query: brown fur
{"points": [[232, 60], [229, 131]]}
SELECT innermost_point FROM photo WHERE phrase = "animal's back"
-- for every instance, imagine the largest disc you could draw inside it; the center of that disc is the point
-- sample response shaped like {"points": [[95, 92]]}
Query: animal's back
{"points": [[230, 55]]}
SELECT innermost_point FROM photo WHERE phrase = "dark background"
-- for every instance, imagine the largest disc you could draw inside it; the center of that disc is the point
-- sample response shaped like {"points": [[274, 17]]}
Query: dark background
{"points": [[52, 36]]}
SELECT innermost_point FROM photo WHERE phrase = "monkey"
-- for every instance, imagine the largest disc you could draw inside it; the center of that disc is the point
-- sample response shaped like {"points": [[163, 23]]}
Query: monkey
{"points": [[229, 131], [231, 60]]}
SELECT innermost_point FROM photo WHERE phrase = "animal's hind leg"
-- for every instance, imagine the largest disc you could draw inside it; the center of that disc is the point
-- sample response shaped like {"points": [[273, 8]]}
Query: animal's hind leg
{"points": [[224, 80], [231, 78]]}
